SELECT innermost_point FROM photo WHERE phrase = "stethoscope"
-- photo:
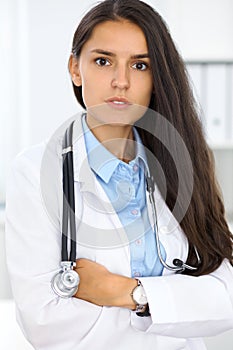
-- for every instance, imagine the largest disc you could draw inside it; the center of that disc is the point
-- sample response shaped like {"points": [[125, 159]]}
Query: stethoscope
{"points": [[65, 283]]}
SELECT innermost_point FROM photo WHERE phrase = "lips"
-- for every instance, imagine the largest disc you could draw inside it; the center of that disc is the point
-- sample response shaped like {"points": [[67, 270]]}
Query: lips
{"points": [[118, 102]]}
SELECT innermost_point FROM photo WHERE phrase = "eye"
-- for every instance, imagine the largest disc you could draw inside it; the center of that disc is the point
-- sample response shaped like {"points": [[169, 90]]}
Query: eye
{"points": [[101, 61], [141, 66]]}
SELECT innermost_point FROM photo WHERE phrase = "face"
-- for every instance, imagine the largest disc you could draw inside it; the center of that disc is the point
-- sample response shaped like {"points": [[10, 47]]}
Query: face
{"points": [[114, 72]]}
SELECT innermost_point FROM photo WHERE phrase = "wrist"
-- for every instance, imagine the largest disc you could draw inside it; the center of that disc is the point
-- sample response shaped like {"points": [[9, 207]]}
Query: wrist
{"points": [[120, 287], [139, 297]]}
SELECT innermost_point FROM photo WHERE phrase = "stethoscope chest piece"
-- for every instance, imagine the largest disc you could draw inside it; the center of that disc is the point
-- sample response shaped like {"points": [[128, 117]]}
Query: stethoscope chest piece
{"points": [[65, 283]]}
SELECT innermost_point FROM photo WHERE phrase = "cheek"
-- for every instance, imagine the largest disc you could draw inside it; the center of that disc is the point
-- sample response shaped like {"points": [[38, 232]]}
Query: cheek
{"points": [[145, 91], [93, 85], [89, 91], [149, 89]]}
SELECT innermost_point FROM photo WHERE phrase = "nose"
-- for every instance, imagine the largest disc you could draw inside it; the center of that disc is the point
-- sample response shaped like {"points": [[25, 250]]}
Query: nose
{"points": [[121, 77]]}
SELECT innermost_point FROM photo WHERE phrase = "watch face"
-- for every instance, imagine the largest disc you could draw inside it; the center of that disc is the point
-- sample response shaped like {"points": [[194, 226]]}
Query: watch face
{"points": [[139, 295]]}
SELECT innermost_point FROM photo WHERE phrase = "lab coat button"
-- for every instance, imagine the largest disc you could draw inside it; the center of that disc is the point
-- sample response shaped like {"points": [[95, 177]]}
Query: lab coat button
{"points": [[138, 242]]}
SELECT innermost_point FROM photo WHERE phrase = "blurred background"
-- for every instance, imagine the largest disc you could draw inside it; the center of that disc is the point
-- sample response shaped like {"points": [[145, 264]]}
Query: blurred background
{"points": [[36, 94]]}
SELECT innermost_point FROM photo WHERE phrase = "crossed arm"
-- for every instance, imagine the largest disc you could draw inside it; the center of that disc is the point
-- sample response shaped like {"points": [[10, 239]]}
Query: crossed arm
{"points": [[101, 287]]}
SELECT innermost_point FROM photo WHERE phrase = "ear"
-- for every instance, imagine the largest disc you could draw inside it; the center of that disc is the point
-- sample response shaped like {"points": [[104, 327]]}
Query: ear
{"points": [[73, 66]]}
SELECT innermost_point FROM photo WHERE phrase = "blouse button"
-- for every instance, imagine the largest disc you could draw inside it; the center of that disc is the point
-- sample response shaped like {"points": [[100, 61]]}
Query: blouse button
{"points": [[137, 274], [138, 241], [134, 211]]}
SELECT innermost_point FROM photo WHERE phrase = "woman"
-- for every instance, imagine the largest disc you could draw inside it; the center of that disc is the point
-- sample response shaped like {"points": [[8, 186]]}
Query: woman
{"points": [[140, 123]]}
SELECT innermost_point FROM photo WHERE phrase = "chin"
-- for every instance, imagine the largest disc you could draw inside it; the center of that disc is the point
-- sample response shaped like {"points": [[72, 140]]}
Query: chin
{"points": [[105, 114]]}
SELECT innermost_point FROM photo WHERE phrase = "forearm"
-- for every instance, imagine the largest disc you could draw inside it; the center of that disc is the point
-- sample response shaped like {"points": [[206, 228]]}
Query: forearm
{"points": [[120, 289], [101, 287]]}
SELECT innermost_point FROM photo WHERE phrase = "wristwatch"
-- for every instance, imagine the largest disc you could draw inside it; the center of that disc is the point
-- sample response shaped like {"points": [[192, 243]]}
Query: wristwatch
{"points": [[140, 299]]}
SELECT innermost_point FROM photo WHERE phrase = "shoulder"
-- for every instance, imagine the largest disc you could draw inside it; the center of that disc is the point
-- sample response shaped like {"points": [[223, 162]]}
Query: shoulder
{"points": [[41, 162], [27, 161], [31, 158], [32, 155], [36, 162], [48, 149]]}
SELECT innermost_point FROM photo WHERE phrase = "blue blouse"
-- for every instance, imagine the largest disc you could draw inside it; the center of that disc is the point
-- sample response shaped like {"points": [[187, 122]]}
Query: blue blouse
{"points": [[125, 186]]}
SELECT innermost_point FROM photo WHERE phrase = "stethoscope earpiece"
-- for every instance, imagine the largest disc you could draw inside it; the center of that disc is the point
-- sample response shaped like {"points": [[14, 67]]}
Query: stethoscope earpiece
{"points": [[178, 263]]}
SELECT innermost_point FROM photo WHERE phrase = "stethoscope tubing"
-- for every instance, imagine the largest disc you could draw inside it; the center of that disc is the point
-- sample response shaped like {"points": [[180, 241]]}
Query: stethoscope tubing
{"points": [[181, 266], [68, 198]]}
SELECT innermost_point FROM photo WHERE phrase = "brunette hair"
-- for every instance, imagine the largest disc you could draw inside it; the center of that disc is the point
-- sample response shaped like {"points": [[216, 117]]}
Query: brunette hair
{"points": [[204, 222]]}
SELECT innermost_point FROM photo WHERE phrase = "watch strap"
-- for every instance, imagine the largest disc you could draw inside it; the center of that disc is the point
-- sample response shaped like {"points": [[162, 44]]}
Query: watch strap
{"points": [[144, 313]]}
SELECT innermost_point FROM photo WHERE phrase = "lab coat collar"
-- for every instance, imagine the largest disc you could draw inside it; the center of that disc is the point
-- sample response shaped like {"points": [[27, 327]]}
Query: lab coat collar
{"points": [[82, 171]]}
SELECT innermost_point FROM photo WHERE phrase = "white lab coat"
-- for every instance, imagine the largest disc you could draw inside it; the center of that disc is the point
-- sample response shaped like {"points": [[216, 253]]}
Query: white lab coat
{"points": [[183, 308]]}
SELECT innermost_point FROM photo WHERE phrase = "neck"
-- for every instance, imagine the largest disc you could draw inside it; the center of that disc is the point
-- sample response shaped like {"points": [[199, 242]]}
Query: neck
{"points": [[117, 139]]}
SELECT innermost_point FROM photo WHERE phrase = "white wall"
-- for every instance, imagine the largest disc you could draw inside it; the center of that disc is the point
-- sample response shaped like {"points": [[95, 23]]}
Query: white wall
{"points": [[201, 29]]}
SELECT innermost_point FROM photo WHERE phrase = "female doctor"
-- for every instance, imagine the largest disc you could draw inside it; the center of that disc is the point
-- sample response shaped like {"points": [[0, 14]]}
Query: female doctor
{"points": [[139, 130]]}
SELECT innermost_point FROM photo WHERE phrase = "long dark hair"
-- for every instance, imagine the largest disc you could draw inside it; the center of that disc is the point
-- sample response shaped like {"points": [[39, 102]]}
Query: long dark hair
{"points": [[204, 222]]}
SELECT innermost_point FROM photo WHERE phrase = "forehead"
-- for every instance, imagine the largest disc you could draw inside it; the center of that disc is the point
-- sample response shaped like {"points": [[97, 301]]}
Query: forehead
{"points": [[121, 36]]}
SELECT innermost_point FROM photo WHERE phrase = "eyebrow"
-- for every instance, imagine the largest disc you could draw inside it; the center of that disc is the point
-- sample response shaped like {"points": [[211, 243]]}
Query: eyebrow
{"points": [[111, 54]]}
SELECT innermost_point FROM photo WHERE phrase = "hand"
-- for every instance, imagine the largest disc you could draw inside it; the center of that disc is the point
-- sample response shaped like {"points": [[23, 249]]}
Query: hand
{"points": [[101, 287]]}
